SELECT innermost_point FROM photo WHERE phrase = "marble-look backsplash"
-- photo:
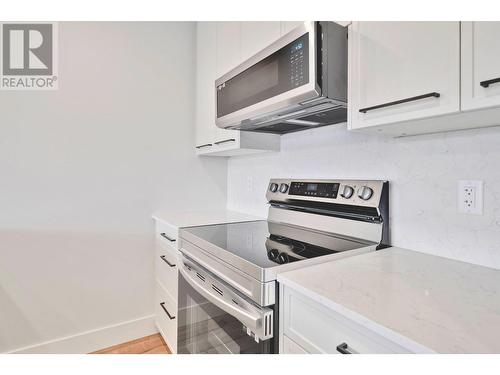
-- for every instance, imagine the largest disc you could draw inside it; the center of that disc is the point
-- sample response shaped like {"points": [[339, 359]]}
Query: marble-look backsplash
{"points": [[423, 172]]}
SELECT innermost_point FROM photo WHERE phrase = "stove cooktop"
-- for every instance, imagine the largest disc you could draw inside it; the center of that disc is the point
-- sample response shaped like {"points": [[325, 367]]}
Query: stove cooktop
{"points": [[308, 222], [268, 244]]}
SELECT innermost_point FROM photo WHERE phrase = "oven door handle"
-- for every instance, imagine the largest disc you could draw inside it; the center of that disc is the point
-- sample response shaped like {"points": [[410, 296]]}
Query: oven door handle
{"points": [[245, 317], [253, 320]]}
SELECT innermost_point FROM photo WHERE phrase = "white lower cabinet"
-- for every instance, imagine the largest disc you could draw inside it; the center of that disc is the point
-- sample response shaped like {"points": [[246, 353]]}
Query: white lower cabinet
{"points": [[166, 317], [166, 269], [291, 347], [307, 326], [166, 275]]}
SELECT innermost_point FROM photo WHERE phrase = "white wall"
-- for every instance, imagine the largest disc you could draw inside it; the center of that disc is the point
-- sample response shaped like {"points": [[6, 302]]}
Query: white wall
{"points": [[83, 168], [423, 172]]}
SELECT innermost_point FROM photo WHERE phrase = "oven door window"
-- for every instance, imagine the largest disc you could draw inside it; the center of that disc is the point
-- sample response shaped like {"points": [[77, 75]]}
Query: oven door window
{"points": [[284, 70], [206, 329]]}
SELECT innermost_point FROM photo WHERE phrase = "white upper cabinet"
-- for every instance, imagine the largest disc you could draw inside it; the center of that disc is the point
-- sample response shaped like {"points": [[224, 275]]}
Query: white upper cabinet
{"points": [[255, 36], [401, 71], [218, 50], [228, 46], [287, 26], [205, 92], [480, 65]]}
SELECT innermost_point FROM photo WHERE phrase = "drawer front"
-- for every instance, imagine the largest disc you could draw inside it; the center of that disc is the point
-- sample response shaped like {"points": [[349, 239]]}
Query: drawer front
{"points": [[166, 268], [166, 317], [291, 347], [167, 234], [320, 330]]}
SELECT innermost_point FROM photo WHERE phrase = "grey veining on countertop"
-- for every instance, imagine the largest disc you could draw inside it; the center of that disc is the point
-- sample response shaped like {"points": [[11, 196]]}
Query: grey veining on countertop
{"points": [[444, 305]]}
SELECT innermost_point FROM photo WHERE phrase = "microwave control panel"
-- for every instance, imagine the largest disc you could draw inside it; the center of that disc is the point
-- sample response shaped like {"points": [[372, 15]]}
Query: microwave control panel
{"points": [[297, 63]]}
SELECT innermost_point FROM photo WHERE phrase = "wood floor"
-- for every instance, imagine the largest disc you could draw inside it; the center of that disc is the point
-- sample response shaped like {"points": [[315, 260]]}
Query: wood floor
{"points": [[153, 344]]}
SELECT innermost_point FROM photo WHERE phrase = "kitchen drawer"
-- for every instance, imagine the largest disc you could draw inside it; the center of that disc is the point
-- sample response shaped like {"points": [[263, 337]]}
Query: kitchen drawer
{"points": [[319, 329], [167, 234], [291, 347], [166, 268], [166, 317]]}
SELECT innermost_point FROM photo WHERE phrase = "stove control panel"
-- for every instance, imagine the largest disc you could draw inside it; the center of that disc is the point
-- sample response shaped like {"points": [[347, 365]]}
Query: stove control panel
{"points": [[315, 189], [283, 188], [347, 191], [365, 193], [351, 192]]}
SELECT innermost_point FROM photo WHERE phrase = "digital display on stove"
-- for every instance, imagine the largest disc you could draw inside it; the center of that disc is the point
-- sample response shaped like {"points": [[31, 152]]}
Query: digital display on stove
{"points": [[310, 189]]}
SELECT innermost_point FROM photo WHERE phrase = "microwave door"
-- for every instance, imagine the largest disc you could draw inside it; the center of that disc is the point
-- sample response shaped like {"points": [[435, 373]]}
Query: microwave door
{"points": [[282, 75]]}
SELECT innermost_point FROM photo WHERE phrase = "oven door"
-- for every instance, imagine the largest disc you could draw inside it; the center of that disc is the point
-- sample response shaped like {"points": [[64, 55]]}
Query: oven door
{"points": [[215, 318], [277, 78]]}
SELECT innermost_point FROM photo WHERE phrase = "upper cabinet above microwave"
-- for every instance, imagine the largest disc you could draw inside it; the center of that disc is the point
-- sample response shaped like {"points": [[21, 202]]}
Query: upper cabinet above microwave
{"points": [[219, 48], [410, 78]]}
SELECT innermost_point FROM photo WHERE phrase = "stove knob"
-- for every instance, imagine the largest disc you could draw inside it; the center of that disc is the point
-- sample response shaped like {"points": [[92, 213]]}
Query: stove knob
{"points": [[273, 187], [283, 258], [347, 192], [283, 188], [365, 193], [273, 254]]}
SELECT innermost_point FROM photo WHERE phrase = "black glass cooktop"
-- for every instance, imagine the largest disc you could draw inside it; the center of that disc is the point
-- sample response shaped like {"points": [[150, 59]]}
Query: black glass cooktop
{"points": [[267, 244]]}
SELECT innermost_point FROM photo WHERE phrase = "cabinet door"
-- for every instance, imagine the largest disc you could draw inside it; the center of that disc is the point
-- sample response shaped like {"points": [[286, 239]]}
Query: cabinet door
{"points": [[287, 26], [480, 65], [228, 46], [257, 35], [166, 317], [315, 328], [205, 83], [291, 347], [228, 56], [400, 71]]}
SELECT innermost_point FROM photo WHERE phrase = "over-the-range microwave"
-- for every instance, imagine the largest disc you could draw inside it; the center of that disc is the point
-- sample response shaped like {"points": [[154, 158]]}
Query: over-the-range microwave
{"points": [[296, 83]]}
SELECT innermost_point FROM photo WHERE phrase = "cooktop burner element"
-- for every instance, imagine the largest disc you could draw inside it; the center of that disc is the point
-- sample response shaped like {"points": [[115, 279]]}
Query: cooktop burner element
{"points": [[283, 250]]}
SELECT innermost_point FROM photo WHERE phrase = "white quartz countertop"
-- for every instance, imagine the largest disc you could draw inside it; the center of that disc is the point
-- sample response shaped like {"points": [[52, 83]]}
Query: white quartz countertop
{"points": [[181, 219], [444, 305]]}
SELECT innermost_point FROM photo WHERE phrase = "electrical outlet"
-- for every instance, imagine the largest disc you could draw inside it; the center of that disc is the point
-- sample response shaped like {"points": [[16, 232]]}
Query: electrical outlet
{"points": [[470, 197]]}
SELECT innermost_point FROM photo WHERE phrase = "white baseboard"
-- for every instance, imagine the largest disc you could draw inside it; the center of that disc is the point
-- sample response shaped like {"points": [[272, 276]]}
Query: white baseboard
{"points": [[97, 339]]}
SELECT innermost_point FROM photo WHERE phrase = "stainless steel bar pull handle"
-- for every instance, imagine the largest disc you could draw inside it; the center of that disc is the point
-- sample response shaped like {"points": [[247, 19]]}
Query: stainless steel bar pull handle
{"points": [[225, 141], [344, 349], [205, 145], [167, 237], [489, 82], [412, 99], [162, 304], [166, 261]]}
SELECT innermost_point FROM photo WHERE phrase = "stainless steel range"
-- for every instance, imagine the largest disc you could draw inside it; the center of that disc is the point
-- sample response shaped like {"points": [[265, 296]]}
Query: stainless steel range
{"points": [[228, 293]]}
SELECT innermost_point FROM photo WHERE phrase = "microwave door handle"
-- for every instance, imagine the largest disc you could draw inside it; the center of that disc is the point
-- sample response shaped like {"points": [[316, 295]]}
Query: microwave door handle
{"points": [[252, 321]]}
